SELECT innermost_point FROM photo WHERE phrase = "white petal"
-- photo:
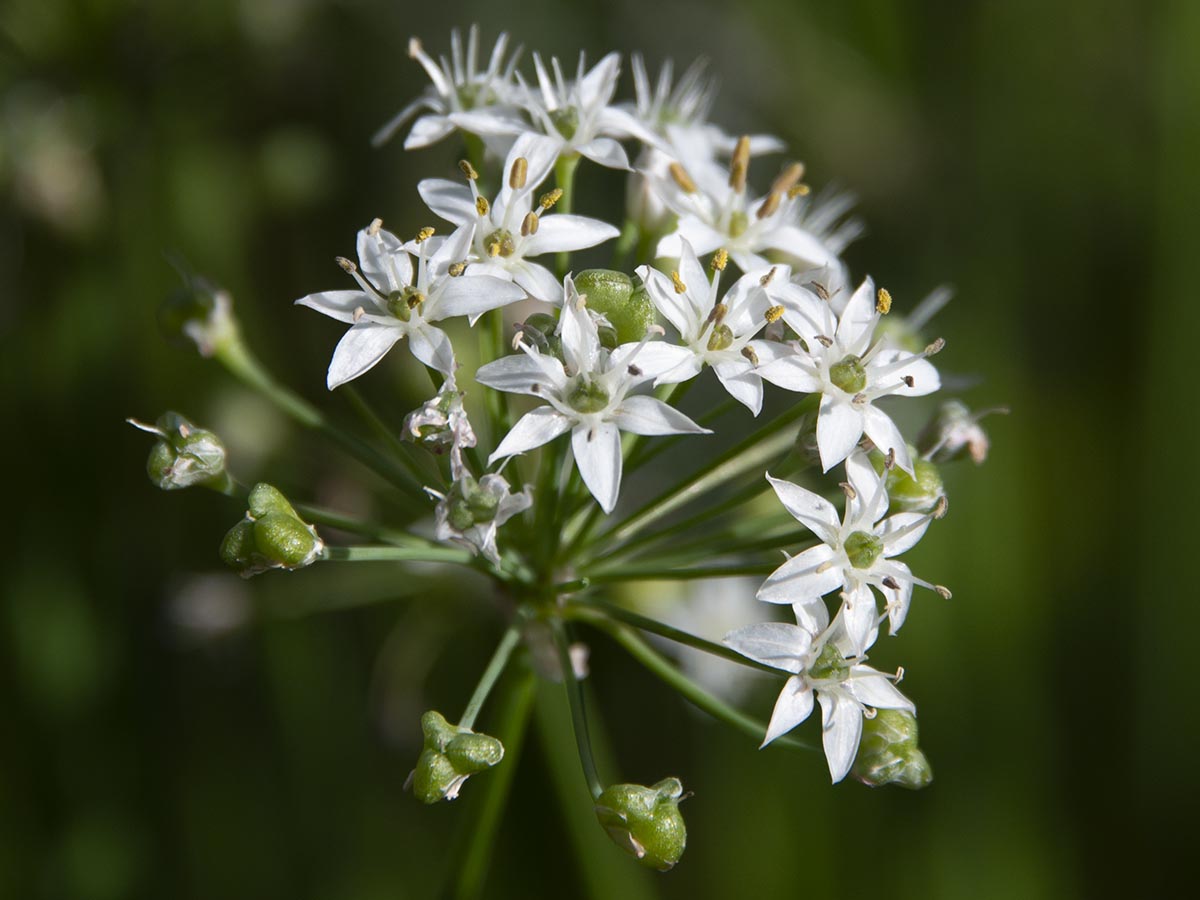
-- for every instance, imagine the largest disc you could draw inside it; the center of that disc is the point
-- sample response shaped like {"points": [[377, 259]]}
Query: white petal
{"points": [[340, 305], [812, 615], [774, 644], [899, 600], [792, 373], [858, 318], [798, 580], [474, 296], [811, 510], [560, 232], [448, 199], [598, 455], [803, 246], [359, 349], [522, 374], [925, 377], [894, 546], [649, 415], [841, 726], [617, 122], [431, 346], [428, 130], [870, 495], [794, 705], [839, 427], [860, 618], [383, 260], [883, 434], [606, 152], [539, 282], [871, 688], [703, 238], [540, 153], [744, 386], [676, 308], [487, 122], [689, 366], [597, 86], [535, 428], [580, 341]]}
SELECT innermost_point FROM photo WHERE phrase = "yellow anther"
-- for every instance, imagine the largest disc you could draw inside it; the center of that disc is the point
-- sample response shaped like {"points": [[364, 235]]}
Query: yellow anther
{"points": [[468, 169], [798, 190], [739, 165], [788, 178], [424, 234], [347, 265], [549, 198], [682, 178], [769, 205], [883, 301], [720, 260], [493, 248], [375, 226], [457, 269], [520, 171], [481, 206], [680, 287], [530, 224], [774, 314], [749, 353]]}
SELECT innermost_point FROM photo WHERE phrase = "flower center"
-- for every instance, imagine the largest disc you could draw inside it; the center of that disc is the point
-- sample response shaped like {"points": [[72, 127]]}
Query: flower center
{"points": [[862, 549], [830, 665], [588, 397], [738, 222], [500, 243], [401, 303], [721, 338], [566, 120], [849, 374], [469, 505]]}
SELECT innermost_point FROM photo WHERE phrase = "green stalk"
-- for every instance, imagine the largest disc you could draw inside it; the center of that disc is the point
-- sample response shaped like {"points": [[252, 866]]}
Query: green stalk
{"points": [[627, 240], [398, 554], [564, 177], [667, 573], [495, 668], [579, 724]]}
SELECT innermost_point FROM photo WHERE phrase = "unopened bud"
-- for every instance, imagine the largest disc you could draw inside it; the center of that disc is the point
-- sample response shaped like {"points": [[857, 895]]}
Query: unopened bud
{"points": [[623, 302], [199, 314], [451, 755], [954, 432], [645, 821], [888, 752], [919, 492], [184, 455]]}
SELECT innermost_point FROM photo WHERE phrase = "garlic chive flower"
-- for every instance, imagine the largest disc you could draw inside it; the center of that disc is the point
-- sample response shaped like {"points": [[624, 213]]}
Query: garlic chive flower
{"points": [[588, 394], [396, 300], [841, 359], [458, 84], [856, 553], [513, 228], [441, 425], [471, 512], [717, 333], [823, 663]]}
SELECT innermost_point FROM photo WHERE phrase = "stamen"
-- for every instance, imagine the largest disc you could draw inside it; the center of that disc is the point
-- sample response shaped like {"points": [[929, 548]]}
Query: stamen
{"points": [[520, 170], [774, 314], [374, 227], [869, 712], [680, 287], [493, 249], [769, 205], [739, 165], [935, 347], [425, 234], [890, 583], [481, 206], [909, 381], [682, 178], [821, 290], [468, 169], [529, 225], [899, 676], [549, 198], [766, 279], [749, 353], [717, 315], [798, 190], [883, 302], [889, 461], [823, 340], [634, 371], [346, 265], [848, 490], [457, 269], [943, 591], [788, 178], [358, 313], [720, 260], [940, 508]]}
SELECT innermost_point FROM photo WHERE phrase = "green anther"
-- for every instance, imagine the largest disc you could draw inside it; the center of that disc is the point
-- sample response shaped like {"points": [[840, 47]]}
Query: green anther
{"points": [[862, 549], [566, 120], [500, 243], [830, 665], [849, 374], [721, 338], [588, 397], [738, 223]]}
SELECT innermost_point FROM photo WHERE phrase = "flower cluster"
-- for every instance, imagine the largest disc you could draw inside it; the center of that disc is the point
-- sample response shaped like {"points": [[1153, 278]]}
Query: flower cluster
{"points": [[580, 366]]}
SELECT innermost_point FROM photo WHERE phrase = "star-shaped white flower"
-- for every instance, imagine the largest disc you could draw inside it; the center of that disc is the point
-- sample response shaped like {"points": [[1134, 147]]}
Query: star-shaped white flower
{"points": [[588, 394], [457, 85], [576, 114], [510, 230], [718, 334], [841, 359], [857, 552], [824, 664], [471, 513], [442, 425], [395, 301]]}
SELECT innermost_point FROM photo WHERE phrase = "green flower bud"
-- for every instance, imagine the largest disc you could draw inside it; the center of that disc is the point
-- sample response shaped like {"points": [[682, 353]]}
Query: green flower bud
{"points": [[645, 821], [888, 752], [199, 314], [451, 754], [913, 494], [271, 536], [184, 455], [626, 304]]}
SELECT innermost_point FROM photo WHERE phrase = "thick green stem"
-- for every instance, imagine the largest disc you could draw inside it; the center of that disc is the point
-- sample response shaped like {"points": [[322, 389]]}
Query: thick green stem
{"points": [[491, 674], [579, 724]]}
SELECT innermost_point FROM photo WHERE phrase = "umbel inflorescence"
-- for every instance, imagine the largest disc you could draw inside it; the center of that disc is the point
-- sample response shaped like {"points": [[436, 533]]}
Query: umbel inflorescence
{"points": [[584, 381]]}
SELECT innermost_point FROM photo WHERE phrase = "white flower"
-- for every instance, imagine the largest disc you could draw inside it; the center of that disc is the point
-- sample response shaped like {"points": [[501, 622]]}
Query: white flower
{"points": [[856, 553], [587, 393], [718, 334], [473, 511], [441, 424], [715, 210], [576, 114], [840, 359], [509, 230], [458, 85], [822, 662], [394, 301]]}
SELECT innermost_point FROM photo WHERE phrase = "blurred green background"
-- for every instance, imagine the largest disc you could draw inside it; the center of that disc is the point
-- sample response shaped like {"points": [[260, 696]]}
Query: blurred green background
{"points": [[169, 731]]}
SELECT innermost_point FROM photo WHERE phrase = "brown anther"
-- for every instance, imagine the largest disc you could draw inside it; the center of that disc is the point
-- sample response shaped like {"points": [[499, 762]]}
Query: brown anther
{"points": [[909, 381], [749, 353], [883, 302], [634, 371], [375, 227], [821, 290], [943, 591], [889, 461], [468, 170], [848, 490], [939, 509], [717, 315], [457, 269], [481, 206], [798, 190], [859, 399], [739, 165], [347, 265], [415, 299], [529, 225], [682, 178], [425, 234], [774, 314], [769, 277], [549, 198], [518, 173], [535, 388], [890, 583], [680, 287], [720, 260], [358, 313], [788, 178], [823, 340], [769, 205], [935, 347]]}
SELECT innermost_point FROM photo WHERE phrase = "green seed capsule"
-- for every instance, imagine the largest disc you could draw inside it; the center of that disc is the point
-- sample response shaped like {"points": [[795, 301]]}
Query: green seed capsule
{"points": [[265, 499], [645, 821], [623, 302], [284, 540]]}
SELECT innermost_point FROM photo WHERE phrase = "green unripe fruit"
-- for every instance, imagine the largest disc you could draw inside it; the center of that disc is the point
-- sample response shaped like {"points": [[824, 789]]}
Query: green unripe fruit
{"points": [[566, 120], [284, 539], [626, 305], [908, 493], [588, 397], [862, 549], [849, 374], [472, 753], [450, 755], [265, 499], [238, 546], [645, 821], [831, 665], [435, 778], [721, 338], [888, 752]]}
